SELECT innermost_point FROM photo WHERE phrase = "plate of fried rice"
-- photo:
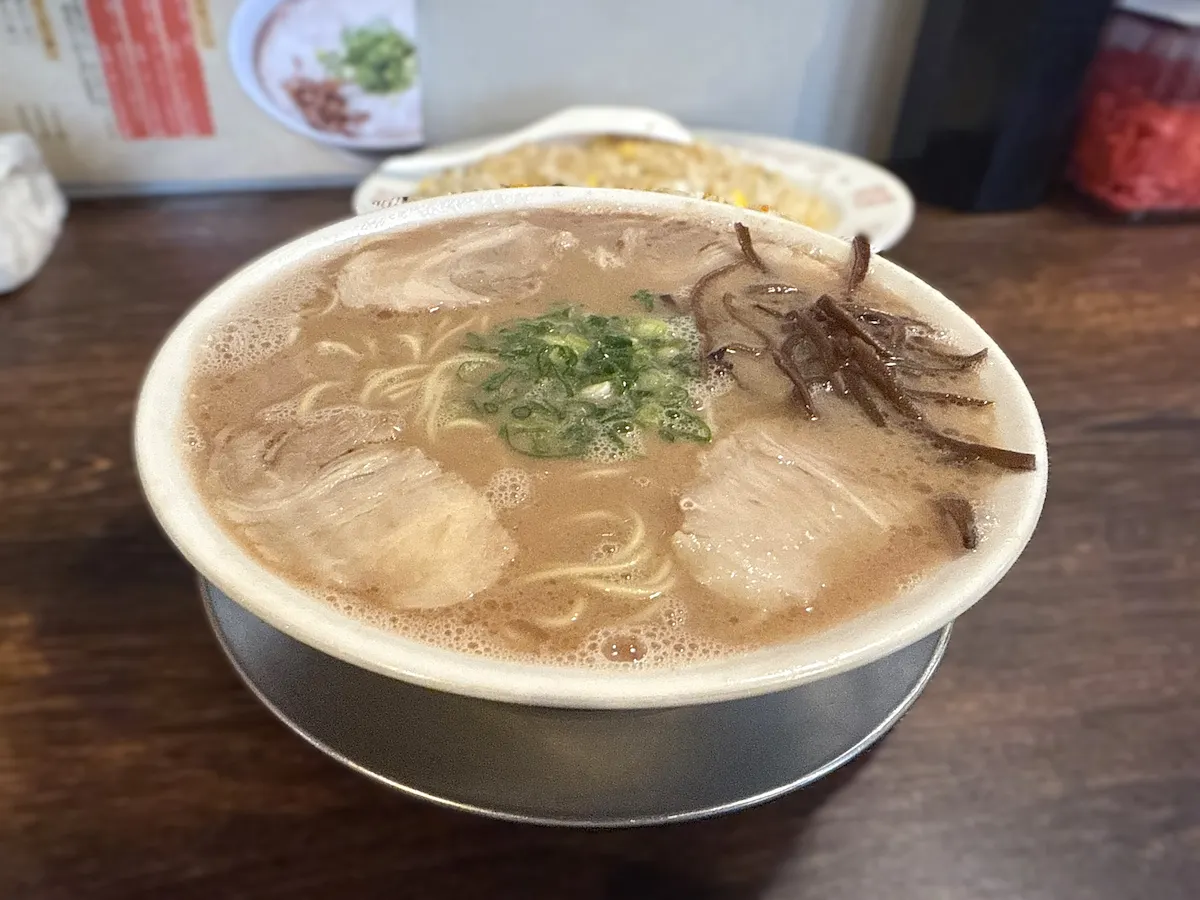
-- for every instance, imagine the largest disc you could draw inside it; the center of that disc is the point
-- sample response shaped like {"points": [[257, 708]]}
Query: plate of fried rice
{"points": [[825, 189]]}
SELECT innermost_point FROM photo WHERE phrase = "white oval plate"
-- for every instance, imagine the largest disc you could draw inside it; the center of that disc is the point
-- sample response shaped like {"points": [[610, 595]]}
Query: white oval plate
{"points": [[866, 198]]}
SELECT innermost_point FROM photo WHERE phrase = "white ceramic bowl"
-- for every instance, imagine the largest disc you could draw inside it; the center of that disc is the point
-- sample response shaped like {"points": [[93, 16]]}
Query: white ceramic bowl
{"points": [[939, 599]]}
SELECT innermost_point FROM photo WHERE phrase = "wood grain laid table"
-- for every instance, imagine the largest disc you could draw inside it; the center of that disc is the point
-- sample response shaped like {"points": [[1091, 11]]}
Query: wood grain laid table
{"points": [[1055, 755]]}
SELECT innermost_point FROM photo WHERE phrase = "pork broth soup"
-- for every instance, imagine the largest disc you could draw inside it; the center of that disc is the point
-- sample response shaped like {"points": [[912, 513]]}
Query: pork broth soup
{"points": [[593, 439]]}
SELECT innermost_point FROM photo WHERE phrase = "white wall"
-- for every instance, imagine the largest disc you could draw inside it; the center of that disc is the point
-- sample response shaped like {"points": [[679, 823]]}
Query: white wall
{"points": [[829, 71]]}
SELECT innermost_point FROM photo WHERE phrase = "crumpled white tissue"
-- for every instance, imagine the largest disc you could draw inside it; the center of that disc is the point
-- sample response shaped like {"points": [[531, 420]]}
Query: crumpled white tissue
{"points": [[31, 210]]}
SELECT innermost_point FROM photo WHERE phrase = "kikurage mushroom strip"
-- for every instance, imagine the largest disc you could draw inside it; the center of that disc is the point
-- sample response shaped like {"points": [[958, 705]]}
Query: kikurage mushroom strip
{"points": [[858, 350], [747, 245], [696, 303], [956, 509], [859, 263], [782, 353]]}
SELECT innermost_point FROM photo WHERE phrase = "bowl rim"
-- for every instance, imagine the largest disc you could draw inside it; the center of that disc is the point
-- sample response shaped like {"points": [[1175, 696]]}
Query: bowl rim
{"points": [[167, 485]]}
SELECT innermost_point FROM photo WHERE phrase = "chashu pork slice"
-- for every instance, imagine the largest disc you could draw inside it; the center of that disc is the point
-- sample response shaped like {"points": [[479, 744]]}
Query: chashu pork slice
{"points": [[767, 513], [509, 261], [382, 522]]}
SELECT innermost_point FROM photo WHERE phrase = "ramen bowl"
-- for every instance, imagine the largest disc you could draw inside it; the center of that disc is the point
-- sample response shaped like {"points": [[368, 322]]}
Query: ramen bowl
{"points": [[886, 628]]}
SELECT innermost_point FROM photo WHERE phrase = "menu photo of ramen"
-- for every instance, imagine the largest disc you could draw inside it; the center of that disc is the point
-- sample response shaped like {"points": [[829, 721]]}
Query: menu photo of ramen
{"points": [[341, 72]]}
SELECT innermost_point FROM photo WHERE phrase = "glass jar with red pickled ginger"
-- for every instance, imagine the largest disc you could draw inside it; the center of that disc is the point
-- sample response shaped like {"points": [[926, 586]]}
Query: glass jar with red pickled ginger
{"points": [[1137, 149]]}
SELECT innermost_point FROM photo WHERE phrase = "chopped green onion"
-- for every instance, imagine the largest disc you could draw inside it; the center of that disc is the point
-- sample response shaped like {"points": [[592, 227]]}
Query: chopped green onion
{"points": [[572, 380]]}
